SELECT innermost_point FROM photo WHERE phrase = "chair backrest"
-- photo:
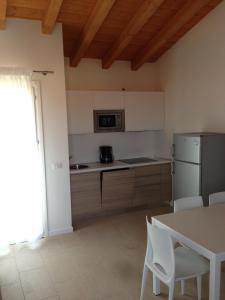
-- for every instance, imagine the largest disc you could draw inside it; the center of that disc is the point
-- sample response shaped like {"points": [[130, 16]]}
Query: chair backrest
{"points": [[187, 203], [160, 252], [217, 198]]}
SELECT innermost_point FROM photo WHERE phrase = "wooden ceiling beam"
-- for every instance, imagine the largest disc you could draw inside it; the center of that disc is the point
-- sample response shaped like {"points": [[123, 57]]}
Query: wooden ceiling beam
{"points": [[97, 17], [196, 19], [51, 15], [188, 10], [142, 15], [3, 7]]}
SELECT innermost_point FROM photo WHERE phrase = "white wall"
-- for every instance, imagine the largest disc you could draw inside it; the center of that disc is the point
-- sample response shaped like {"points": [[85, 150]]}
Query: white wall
{"points": [[192, 74], [89, 75], [85, 147], [23, 45]]}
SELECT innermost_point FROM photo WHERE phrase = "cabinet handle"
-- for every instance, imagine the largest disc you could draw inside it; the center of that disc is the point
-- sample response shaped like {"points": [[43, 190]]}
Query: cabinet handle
{"points": [[173, 169], [173, 150]]}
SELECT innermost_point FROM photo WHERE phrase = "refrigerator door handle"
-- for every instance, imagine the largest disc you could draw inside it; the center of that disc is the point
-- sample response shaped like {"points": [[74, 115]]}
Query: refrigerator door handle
{"points": [[173, 168], [173, 150]]}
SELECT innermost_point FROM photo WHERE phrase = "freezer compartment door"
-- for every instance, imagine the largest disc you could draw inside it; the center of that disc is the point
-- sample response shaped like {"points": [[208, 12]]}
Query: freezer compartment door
{"points": [[186, 180], [187, 148]]}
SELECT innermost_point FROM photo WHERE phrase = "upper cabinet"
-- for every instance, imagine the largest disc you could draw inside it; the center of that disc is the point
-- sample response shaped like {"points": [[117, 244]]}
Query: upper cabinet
{"points": [[80, 112], [108, 100], [144, 111]]}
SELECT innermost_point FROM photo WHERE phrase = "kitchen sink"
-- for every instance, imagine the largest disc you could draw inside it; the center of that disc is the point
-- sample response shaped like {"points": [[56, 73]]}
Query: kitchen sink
{"points": [[78, 167], [137, 160]]}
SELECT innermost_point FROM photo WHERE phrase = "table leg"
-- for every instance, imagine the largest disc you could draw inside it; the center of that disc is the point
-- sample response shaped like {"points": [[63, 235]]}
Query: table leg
{"points": [[156, 285], [214, 278]]}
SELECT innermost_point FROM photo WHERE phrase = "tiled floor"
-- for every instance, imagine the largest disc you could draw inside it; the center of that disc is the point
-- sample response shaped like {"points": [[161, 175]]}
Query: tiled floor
{"points": [[101, 260]]}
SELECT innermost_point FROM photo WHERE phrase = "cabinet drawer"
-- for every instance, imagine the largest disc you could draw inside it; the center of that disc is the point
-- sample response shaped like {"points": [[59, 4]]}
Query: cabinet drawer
{"points": [[166, 183], [147, 190], [166, 178], [166, 168], [147, 180], [121, 176], [147, 195], [166, 192], [87, 181], [147, 170]]}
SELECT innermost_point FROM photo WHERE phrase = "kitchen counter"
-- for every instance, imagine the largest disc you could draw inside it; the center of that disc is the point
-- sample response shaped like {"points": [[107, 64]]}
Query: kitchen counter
{"points": [[97, 167]]}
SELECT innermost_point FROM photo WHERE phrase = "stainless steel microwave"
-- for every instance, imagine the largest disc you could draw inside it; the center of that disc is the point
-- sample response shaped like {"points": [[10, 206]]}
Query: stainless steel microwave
{"points": [[109, 120]]}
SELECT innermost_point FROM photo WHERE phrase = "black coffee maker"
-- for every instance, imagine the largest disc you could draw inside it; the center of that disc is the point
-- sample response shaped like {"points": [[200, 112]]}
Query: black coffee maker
{"points": [[106, 154]]}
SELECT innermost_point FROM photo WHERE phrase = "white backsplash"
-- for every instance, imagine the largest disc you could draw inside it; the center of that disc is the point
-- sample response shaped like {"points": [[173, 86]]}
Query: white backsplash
{"points": [[85, 147], [162, 145]]}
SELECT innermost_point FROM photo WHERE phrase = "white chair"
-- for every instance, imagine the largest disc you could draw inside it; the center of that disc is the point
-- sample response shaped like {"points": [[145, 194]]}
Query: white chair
{"points": [[170, 265], [183, 204], [217, 198], [187, 203]]}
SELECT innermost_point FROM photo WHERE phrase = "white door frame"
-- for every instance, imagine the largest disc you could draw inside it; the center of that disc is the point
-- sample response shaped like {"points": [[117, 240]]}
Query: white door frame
{"points": [[40, 141]]}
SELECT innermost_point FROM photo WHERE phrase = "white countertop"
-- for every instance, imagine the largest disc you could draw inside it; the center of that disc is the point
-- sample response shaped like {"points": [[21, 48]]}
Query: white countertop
{"points": [[116, 164]]}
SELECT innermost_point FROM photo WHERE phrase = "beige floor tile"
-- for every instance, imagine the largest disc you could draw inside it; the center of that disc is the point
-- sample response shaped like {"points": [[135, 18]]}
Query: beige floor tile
{"points": [[33, 297], [6, 252], [77, 289], [69, 240], [27, 248], [51, 247], [8, 271], [61, 268], [37, 284], [53, 298], [28, 261], [102, 260], [12, 292]]}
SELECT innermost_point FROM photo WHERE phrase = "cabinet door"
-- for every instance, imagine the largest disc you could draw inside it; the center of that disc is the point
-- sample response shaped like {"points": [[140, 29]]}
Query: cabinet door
{"points": [[108, 100], [166, 183], [85, 193], [80, 112], [117, 189], [144, 111], [147, 185]]}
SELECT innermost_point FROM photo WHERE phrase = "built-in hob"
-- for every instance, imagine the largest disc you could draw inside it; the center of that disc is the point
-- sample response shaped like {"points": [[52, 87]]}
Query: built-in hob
{"points": [[137, 160]]}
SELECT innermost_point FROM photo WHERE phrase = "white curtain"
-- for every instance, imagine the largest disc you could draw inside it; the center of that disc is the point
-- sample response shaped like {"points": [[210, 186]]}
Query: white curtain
{"points": [[21, 202]]}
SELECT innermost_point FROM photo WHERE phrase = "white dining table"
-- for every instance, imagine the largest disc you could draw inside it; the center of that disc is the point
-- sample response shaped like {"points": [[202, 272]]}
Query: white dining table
{"points": [[203, 230]]}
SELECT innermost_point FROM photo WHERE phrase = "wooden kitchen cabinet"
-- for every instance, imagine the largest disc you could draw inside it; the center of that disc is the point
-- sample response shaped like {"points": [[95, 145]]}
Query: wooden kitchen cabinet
{"points": [[152, 185], [147, 185], [85, 193], [97, 192], [144, 111], [117, 189], [166, 183]]}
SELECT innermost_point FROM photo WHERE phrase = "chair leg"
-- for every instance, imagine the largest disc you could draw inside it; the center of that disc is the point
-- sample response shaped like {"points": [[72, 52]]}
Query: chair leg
{"points": [[199, 287], [171, 290], [182, 287], [144, 281]]}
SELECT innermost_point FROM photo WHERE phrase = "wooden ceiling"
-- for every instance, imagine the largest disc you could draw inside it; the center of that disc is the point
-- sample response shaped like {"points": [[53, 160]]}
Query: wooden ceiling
{"points": [[138, 31]]}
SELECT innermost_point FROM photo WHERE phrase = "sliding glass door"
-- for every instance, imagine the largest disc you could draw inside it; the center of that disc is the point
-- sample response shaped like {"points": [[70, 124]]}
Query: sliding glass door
{"points": [[22, 180]]}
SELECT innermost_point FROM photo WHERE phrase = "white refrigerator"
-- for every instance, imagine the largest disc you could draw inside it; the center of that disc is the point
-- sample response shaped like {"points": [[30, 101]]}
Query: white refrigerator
{"points": [[198, 164]]}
